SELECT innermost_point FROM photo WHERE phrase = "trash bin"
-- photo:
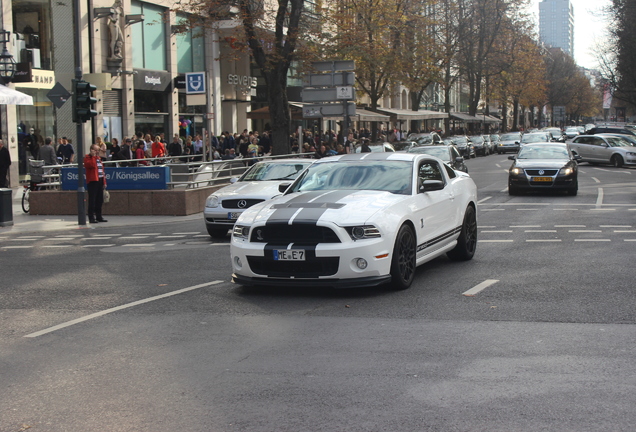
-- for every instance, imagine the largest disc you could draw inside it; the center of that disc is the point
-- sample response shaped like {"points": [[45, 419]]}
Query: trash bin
{"points": [[6, 207]]}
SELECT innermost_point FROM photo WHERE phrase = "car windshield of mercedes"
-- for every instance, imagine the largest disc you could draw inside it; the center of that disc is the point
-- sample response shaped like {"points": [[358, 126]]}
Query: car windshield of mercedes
{"points": [[385, 175], [275, 171], [540, 151]]}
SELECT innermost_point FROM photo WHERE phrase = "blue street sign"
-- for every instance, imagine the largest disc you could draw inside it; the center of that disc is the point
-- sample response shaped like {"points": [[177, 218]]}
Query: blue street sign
{"points": [[195, 82]]}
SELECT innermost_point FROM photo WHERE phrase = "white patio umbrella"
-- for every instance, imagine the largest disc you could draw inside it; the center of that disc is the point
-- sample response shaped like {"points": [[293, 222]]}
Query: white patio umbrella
{"points": [[13, 97]]}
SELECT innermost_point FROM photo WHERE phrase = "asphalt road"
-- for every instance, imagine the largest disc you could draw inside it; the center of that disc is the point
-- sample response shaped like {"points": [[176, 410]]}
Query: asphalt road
{"points": [[139, 329]]}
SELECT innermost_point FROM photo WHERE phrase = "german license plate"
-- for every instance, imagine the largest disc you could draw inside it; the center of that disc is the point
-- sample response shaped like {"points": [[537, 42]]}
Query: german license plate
{"points": [[289, 255], [542, 179], [233, 215]]}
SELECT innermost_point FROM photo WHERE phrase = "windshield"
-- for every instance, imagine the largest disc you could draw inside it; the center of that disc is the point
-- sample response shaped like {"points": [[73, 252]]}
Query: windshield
{"points": [[390, 176], [459, 140], [477, 140], [510, 137], [440, 152], [618, 142], [533, 138], [543, 152], [265, 171]]}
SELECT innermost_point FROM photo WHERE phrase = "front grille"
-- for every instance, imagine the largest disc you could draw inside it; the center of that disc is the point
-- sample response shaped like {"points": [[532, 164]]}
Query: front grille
{"points": [[234, 203], [546, 173], [296, 233], [312, 268]]}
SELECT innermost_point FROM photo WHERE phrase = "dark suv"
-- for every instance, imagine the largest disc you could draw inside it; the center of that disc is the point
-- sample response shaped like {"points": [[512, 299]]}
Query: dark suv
{"points": [[610, 130]]}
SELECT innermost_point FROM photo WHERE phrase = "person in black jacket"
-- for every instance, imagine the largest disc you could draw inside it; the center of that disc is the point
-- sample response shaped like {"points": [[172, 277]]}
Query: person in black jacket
{"points": [[5, 163]]}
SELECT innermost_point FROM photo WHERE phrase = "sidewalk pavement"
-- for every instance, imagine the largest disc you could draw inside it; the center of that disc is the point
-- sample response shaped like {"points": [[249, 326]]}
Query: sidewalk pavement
{"points": [[26, 223]]}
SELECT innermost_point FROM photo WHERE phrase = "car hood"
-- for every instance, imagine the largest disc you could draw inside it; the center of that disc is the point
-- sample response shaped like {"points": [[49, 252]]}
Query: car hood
{"points": [[337, 206], [256, 189], [541, 163]]}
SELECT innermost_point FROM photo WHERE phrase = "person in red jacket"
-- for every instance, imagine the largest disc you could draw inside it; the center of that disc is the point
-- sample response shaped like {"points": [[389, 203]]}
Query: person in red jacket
{"points": [[158, 149], [96, 183]]}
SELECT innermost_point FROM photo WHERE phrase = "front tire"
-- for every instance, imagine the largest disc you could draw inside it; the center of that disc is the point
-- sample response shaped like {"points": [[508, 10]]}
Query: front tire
{"points": [[403, 260], [217, 233], [617, 161], [467, 241], [574, 189], [25, 201], [513, 190]]}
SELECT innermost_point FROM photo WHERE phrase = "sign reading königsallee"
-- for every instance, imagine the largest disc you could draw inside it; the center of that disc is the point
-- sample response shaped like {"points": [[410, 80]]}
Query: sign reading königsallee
{"points": [[134, 178]]}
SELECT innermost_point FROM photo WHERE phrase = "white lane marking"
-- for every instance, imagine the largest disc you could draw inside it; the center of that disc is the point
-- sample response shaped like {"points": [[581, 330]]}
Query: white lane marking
{"points": [[525, 226], [169, 244], [98, 246], [566, 209], [599, 198], [497, 165], [596, 180], [133, 238], [603, 209], [634, 209], [31, 237], [171, 236], [634, 240], [56, 246], [480, 287], [569, 226], [485, 226], [118, 308], [592, 240], [527, 209], [24, 239], [106, 235], [543, 240], [504, 190], [59, 239], [540, 231], [219, 244], [196, 242], [494, 241], [97, 238], [483, 199], [187, 233], [69, 235], [203, 235], [497, 231], [147, 234], [489, 210], [16, 247], [585, 231], [625, 231], [138, 245], [615, 226]]}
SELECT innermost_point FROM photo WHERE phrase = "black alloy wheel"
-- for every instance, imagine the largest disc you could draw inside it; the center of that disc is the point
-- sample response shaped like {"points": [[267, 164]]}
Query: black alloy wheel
{"points": [[403, 260], [467, 241], [617, 161]]}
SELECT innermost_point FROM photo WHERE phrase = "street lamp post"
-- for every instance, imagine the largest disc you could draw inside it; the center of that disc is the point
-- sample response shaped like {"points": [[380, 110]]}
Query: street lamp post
{"points": [[7, 63]]}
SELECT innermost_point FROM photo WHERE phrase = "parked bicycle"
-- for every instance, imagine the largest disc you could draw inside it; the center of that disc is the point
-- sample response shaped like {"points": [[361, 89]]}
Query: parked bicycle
{"points": [[36, 173]]}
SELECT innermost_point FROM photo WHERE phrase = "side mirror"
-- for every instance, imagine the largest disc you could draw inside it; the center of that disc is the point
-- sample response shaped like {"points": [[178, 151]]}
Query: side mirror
{"points": [[512, 157], [517, 142], [577, 158], [233, 180], [431, 185], [459, 159], [283, 187]]}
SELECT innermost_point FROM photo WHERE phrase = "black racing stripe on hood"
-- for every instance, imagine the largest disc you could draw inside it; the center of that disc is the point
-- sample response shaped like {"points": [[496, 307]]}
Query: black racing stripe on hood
{"points": [[311, 214]]}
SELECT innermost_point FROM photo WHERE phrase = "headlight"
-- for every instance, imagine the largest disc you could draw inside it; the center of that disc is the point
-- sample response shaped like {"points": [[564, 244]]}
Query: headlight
{"points": [[212, 201], [631, 154], [363, 232], [241, 231], [566, 171], [516, 171]]}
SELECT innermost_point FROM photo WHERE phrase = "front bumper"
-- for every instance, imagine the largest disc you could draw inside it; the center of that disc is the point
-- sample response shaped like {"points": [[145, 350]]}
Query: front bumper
{"points": [[507, 148], [558, 182], [370, 281], [220, 217]]}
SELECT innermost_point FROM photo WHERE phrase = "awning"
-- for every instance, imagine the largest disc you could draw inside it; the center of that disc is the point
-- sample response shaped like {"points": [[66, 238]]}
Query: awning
{"points": [[399, 114], [9, 96], [369, 116], [467, 118], [492, 119]]}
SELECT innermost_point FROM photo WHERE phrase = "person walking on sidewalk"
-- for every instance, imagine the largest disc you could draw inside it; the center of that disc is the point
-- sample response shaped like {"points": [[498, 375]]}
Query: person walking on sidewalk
{"points": [[5, 162], [96, 183]]}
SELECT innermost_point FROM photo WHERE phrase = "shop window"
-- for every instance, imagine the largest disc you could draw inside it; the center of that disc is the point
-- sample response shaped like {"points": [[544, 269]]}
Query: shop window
{"points": [[190, 49], [149, 37], [32, 33]]}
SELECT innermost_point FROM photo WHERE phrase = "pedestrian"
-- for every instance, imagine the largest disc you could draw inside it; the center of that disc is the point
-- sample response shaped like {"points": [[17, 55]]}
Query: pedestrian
{"points": [[31, 141], [140, 153], [102, 147], [47, 153], [158, 149], [365, 146], [65, 151], [126, 154], [96, 183], [114, 148], [5, 162]]}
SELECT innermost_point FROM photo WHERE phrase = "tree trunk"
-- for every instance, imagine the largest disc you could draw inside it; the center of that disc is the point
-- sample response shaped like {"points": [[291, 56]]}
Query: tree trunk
{"points": [[279, 113]]}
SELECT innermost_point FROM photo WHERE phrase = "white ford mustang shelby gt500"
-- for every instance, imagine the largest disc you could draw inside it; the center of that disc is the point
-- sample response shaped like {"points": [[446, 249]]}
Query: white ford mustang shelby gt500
{"points": [[357, 220]]}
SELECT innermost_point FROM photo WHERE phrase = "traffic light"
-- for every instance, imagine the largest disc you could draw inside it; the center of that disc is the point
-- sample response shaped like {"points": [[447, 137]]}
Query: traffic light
{"points": [[83, 101]]}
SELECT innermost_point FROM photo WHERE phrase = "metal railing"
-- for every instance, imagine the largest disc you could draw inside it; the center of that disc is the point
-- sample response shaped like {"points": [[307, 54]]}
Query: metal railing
{"points": [[184, 172]]}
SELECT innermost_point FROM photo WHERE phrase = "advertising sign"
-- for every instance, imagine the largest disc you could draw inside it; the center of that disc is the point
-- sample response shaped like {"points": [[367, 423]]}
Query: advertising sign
{"points": [[133, 178]]}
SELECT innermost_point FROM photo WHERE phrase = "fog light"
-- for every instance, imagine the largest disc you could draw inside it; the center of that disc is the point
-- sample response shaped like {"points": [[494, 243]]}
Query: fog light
{"points": [[238, 263], [361, 263]]}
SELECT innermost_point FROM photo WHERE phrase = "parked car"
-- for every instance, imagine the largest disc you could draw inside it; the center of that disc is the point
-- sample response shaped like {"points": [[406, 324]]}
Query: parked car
{"points": [[464, 145], [447, 153], [556, 133], [431, 138], [356, 220], [606, 149], [257, 184], [480, 145], [543, 166], [509, 142]]}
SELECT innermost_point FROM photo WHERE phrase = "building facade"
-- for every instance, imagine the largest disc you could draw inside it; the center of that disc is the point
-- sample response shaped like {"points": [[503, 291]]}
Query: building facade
{"points": [[556, 24]]}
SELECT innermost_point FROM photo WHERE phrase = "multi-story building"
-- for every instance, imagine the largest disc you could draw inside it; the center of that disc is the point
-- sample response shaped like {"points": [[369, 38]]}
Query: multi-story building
{"points": [[556, 24]]}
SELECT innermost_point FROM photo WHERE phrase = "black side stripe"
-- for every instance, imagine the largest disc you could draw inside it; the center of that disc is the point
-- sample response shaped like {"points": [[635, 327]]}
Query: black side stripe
{"points": [[438, 239]]}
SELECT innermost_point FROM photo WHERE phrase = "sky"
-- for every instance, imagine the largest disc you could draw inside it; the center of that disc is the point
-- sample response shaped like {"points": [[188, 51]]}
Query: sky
{"points": [[588, 26]]}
